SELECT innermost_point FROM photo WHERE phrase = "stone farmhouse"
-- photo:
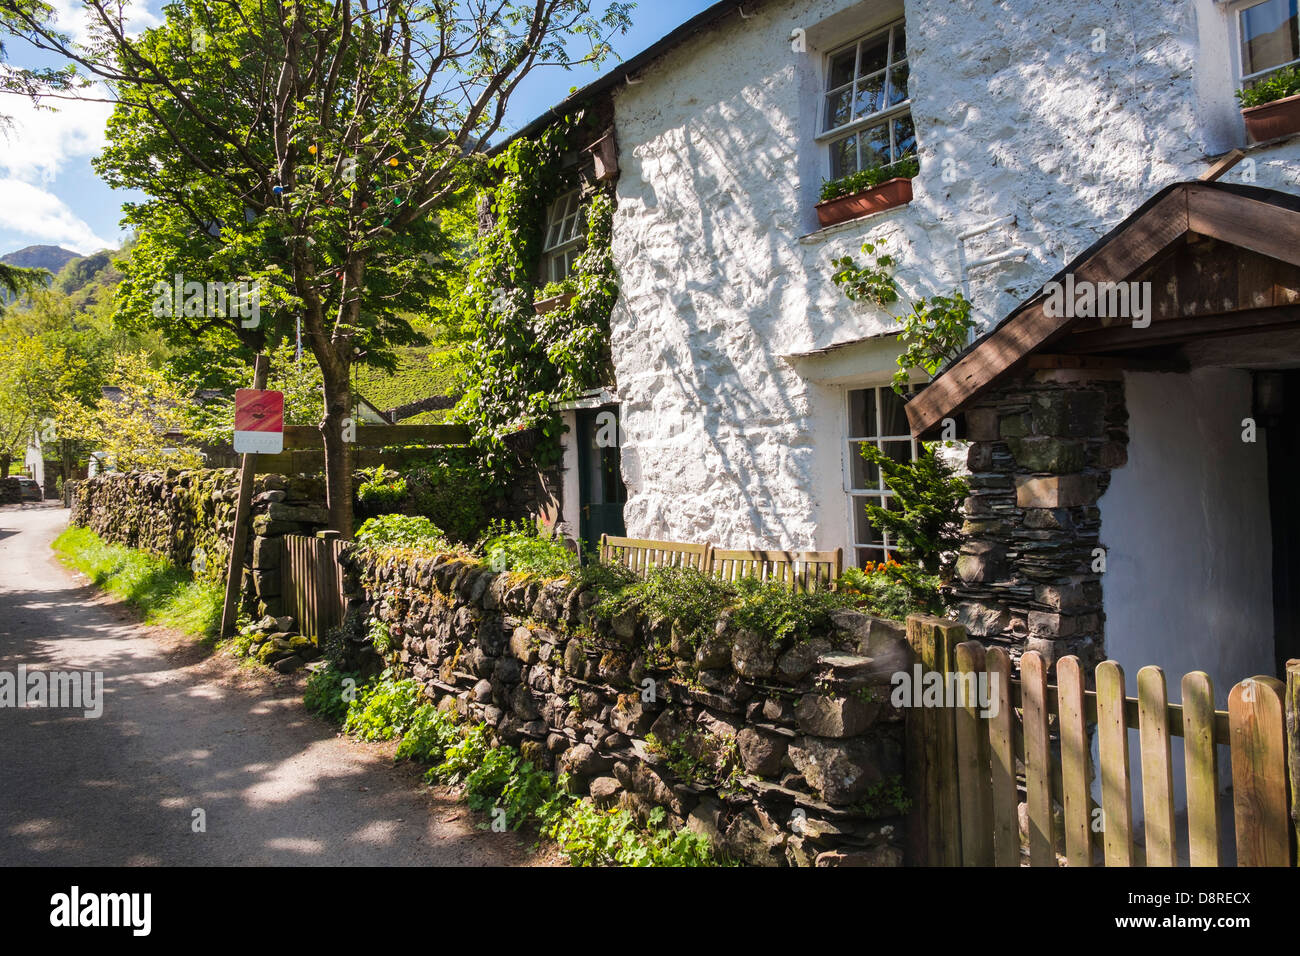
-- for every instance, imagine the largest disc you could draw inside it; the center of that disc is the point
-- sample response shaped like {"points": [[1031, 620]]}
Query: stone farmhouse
{"points": [[1131, 478]]}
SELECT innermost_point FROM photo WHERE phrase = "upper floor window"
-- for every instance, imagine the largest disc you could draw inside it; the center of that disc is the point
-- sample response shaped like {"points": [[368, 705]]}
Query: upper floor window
{"points": [[866, 112], [566, 235], [1270, 38]]}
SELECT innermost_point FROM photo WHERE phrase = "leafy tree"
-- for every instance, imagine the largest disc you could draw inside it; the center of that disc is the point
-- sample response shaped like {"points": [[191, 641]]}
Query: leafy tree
{"points": [[306, 145], [928, 494], [138, 428]]}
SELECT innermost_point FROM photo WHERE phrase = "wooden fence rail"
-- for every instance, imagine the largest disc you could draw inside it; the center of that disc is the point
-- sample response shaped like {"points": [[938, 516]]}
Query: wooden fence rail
{"points": [[312, 583], [965, 762]]}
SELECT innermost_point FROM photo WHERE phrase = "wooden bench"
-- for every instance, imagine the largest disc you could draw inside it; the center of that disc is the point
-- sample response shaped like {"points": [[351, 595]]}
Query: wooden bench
{"points": [[798, 570], [641, 555]]}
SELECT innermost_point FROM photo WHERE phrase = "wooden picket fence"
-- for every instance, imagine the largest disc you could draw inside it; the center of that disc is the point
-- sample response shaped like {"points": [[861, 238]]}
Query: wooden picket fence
{"points": [[797, 570], [312, 583], [964, 768]]}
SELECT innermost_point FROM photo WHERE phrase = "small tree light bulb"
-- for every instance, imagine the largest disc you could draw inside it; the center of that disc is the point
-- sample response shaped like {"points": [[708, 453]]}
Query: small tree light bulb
{"points": [[312, 149], [393, 161]]}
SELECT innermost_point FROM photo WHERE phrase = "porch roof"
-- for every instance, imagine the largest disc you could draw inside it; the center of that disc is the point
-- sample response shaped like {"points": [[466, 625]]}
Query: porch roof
{"points": [[1257, 222]]}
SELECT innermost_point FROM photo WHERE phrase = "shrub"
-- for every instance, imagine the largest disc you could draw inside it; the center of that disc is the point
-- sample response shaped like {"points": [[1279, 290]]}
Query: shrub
{"points": [[330, 692], [383, 710], [454, 494], [928, 495], [588, 836], [691, 599], [1276, 86], [775, 611], [892, 590], [520, 547], [428, 735], [381, 491], [401, 531]]}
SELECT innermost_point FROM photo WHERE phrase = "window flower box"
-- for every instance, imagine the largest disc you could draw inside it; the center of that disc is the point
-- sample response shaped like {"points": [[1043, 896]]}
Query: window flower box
{"points": [[561, 301], [1273, 119], [886, 195]]}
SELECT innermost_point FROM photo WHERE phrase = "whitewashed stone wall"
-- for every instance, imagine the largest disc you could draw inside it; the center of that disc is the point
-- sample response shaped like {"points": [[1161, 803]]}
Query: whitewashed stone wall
{"points": [[720, 171]]}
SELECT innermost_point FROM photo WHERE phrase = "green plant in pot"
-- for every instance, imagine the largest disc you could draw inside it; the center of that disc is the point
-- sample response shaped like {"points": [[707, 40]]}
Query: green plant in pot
{"points": [[1271, 107], [869, 190]]}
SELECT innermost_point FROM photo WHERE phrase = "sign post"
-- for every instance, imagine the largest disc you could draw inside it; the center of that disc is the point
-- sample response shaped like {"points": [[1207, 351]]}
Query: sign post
{"points": [[259, 428]]}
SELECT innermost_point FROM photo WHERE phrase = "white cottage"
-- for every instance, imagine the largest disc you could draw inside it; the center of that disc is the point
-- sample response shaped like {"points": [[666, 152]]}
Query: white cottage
{"points": [[745, 380]]}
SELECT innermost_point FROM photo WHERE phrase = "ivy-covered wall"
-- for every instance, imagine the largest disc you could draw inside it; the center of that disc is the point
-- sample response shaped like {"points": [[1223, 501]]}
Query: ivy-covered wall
{"points": [[780, 753]]}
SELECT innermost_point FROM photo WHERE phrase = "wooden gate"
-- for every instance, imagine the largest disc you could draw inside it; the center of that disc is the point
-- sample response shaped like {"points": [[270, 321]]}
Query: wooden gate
{"points": [[966, 762], [312, 583]]}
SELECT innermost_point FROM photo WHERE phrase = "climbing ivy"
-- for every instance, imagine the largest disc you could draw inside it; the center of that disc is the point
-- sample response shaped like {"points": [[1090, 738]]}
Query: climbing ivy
{"points": [[523, 365]]}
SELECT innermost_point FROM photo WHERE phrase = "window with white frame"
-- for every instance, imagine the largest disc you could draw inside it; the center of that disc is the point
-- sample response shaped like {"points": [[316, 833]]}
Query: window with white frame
{"points": [[566, 235], [866, 116], [1269, 36], [876, 416]]}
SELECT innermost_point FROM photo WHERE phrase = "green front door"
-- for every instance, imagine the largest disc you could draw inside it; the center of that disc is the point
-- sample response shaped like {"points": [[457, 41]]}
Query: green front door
{"points": [[601, 493]]}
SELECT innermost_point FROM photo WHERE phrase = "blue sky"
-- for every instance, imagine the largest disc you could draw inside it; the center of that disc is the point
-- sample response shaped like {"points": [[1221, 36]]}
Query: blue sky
{"points": [[49, 194]]}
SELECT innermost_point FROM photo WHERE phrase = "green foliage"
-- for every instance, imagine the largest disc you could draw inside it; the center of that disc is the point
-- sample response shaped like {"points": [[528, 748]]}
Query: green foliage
{"points": [[928, 495], [428, 735], [905, 168], [380, 636], [382, 491], [588, 836], [778, 613], [692, 600], [524, 364], [1275, 86], [893, 590], [401, 531], [454, 493], [419, 372], [887, 797], [521, 547], [330, 692], [384, 709], [166, 594], [934, 330]]}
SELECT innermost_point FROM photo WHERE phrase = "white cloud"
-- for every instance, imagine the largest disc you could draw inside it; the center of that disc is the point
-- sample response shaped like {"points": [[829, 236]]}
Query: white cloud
{"points": [[42, 141], [28, 210], [73, 18]]}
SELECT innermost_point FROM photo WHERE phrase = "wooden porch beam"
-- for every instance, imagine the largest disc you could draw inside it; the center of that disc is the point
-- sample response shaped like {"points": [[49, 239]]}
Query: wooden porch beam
{"points": [[1170, 331], [1258, 226], [1029, 328]]}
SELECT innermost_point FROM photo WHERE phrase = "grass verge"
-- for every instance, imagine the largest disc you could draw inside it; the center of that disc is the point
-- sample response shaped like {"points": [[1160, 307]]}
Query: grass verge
{"points": [[163, 593]]}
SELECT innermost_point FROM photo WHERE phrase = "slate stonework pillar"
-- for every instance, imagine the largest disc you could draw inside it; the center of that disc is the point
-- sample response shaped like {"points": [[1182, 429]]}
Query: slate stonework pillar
{"points": [[1042, 449]]}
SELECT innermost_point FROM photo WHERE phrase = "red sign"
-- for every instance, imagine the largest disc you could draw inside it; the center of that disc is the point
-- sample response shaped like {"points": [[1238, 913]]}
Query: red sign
{"points": [[259, 421]]}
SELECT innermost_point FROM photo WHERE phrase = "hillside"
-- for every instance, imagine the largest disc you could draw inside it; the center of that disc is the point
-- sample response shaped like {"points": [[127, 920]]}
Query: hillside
{"points": [[53, 258]]}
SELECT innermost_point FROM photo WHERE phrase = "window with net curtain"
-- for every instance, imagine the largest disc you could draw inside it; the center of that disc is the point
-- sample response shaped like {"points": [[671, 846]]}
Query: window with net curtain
{"points": [[866, 110], [1270, 38], [876, 416]]}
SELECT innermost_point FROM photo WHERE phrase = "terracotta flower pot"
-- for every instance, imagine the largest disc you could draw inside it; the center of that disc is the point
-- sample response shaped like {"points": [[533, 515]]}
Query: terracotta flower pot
{"points": [[1271, 120], [890, 193]]}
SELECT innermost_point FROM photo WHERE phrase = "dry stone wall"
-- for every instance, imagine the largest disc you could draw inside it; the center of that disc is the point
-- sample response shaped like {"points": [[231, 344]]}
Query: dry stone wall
{"points": [[188, 516], [780, 754]]}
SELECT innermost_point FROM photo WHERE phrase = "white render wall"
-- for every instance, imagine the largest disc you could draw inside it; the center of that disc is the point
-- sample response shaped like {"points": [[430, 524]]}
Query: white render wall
{"points": [[727, 442]]}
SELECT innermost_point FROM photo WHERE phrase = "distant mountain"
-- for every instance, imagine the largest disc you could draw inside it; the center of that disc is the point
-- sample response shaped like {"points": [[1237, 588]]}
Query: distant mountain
{"points": [[53, 258]]}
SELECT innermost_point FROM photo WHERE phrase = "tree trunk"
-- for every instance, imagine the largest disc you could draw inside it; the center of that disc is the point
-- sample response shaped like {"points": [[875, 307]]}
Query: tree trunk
{"points": [[336, 430], [5, 462]]}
